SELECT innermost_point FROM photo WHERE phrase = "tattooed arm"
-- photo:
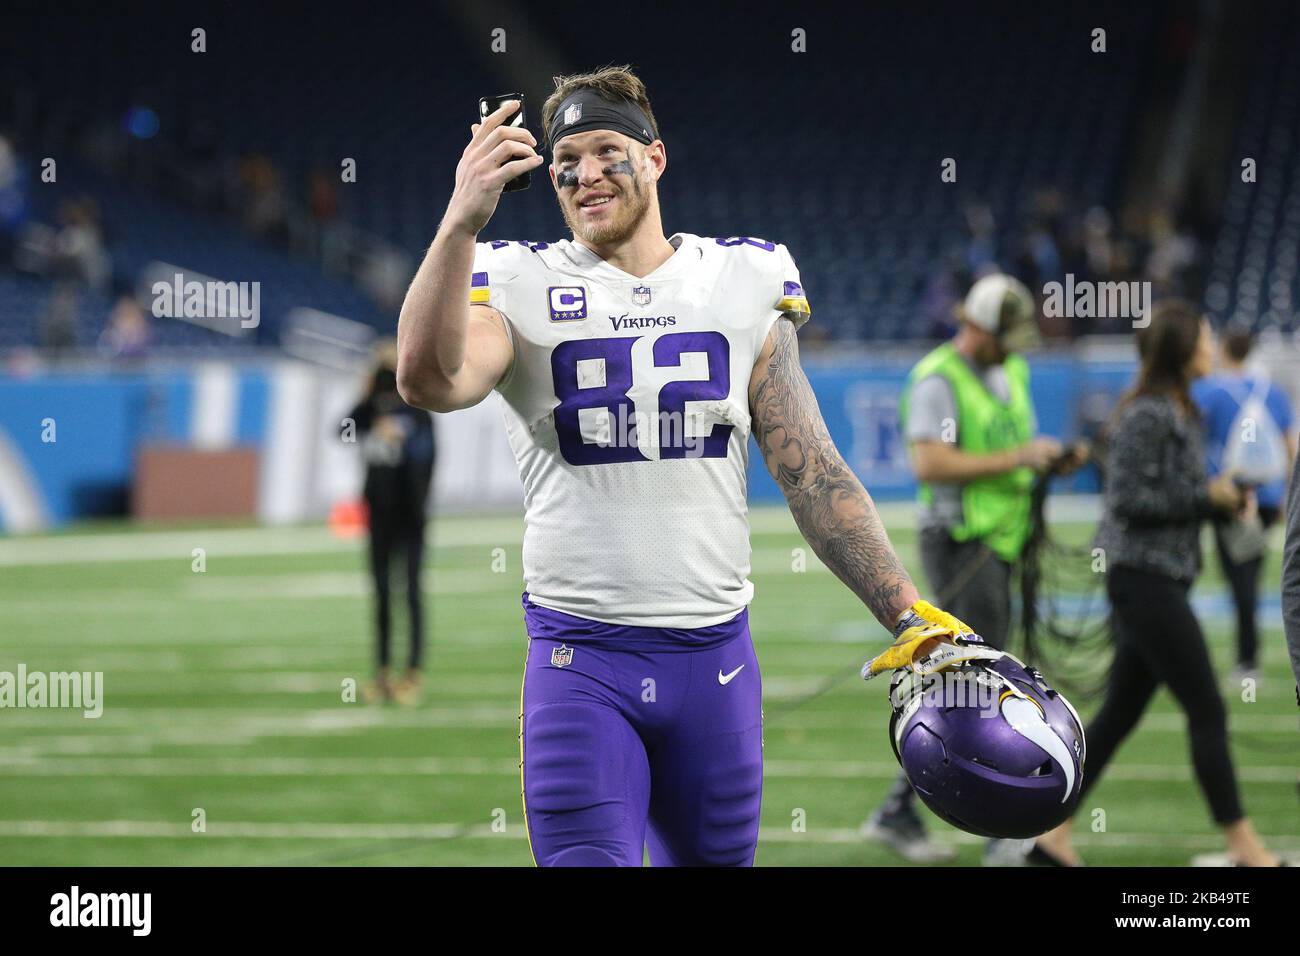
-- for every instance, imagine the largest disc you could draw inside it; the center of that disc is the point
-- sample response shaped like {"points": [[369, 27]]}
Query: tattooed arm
{"points": [[829, 504]]}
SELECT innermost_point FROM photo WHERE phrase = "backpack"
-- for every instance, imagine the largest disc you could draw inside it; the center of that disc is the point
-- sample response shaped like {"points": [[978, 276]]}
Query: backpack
{"points": [[1255, 447]]}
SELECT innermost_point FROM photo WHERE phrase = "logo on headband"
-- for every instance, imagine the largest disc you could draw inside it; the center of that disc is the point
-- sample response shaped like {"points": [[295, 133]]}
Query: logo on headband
{"points": [[572, 114]]}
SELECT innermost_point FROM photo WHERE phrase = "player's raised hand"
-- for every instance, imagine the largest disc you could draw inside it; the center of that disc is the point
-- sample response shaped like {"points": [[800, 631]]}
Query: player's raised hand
{"points": [[496, 154]]}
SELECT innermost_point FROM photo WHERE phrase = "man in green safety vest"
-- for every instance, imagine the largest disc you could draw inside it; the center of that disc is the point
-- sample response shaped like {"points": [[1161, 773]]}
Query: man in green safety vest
{"points": [[968, 419]]}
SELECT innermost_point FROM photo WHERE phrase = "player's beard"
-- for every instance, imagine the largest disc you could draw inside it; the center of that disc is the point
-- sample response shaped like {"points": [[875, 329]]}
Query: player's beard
{"points": [[631, 207]]}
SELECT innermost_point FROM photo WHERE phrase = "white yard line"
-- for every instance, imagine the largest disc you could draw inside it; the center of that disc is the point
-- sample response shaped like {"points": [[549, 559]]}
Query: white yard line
{"points": [[216, 726], [148, 545], [456, 531], [258, 767], [162, 545], [29, 766], [251, 830]]}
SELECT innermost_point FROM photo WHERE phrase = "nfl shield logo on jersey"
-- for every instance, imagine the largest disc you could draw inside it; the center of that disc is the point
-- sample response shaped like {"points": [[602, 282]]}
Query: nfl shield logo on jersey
{"points": [[641, 295], [561, 656], [573, 114]]}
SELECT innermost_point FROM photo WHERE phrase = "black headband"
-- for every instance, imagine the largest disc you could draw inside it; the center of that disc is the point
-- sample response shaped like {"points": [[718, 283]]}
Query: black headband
{"points": [[586, 110]]}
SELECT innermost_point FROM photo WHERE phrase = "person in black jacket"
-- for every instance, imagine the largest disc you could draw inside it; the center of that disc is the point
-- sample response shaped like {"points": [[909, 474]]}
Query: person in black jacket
{"points": [[1291, 576], [398, 445], [1156, 498]]}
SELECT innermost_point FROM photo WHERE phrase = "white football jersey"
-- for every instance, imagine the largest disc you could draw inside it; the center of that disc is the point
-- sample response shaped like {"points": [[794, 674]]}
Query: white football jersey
{"points": [[627, 407]]}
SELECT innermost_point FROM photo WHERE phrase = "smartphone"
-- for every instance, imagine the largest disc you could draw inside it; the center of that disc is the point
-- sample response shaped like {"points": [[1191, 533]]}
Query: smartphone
{"points": [[487, 105]]}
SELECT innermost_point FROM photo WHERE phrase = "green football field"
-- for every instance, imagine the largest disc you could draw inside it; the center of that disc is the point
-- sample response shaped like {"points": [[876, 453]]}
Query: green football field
{"points": [[226, 738]]}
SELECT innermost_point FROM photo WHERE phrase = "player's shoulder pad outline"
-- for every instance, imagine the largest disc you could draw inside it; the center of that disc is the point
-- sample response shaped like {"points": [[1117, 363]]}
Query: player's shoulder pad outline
{"points": [[509, 253], [792, 302], [732, 241]]}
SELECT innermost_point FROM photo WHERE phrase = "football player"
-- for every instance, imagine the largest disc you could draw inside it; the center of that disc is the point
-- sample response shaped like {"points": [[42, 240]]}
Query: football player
{"points": [[633, 368]]}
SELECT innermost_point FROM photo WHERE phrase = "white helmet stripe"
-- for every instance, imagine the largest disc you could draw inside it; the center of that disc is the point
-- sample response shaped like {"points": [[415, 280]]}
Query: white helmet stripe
{"points": [[908, 710], [1025, 719]]}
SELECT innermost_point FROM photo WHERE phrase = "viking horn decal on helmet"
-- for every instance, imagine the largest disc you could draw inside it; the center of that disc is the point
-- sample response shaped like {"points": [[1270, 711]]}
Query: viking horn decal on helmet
{"points": [[1027, 720]]}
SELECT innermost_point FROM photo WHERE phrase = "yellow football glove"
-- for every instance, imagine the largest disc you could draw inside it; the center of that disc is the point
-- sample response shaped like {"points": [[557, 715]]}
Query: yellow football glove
{"points": [[926, 639], [923, 612]]}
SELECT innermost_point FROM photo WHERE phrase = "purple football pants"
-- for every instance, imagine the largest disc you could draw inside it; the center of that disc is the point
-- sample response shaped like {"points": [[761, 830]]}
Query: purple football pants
{"points": [[629, 748]]}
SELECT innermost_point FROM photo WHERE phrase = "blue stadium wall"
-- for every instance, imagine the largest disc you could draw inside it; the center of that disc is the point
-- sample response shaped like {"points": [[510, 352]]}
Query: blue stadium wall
{"points": [[76, 435], [99, 420]]}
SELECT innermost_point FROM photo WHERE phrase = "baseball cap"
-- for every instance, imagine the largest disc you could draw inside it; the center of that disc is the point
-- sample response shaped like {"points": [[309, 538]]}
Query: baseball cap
{"points": [[1002, 305]]}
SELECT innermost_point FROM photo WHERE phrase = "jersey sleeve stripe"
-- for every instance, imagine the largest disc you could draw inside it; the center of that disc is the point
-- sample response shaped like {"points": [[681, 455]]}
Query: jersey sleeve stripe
{"points": [[479, 290], [796, 304]]}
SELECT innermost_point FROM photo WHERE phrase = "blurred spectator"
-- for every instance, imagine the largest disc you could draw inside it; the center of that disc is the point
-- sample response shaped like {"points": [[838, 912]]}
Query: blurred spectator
{"points": [[200, 162], [942, 292], [385, 273], [1173, 255], [398, 443], [325, 233], [323, 197], [1250, 431], [127, 334], [78, 252], [981, 241], [1098, 251], [1056, 237], [59, 330], [13, 202], [262, 197]]}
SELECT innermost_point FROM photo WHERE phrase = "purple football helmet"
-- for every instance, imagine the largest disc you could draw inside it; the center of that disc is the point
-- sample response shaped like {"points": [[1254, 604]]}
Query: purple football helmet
{"points": [[989, 746]]}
